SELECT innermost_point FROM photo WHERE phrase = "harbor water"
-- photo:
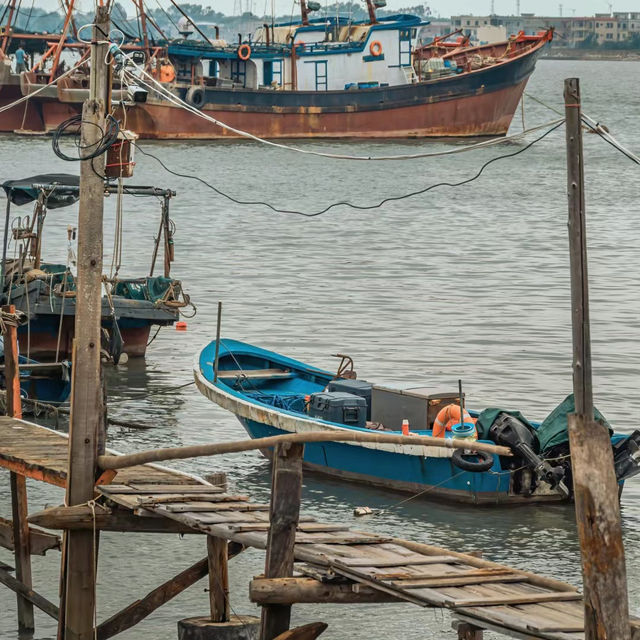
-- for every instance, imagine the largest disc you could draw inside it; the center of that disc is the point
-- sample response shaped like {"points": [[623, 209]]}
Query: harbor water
{"points": [[469, 282]]}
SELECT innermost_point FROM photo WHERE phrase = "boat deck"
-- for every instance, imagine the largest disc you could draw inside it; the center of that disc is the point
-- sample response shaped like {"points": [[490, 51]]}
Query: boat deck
{"points": [[484, 594]]}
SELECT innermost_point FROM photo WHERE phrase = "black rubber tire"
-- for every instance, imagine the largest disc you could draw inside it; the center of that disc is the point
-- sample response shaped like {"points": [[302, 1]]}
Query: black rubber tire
{"points": [[484, 463], [195, 97]]}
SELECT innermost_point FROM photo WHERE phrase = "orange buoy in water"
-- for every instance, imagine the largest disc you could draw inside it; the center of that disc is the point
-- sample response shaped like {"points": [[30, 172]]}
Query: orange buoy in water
{"points": [[181, 326]]}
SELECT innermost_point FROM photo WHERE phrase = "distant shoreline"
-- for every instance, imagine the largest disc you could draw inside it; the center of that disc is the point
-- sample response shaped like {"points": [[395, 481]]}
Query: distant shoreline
{"points": [[591, 54]]}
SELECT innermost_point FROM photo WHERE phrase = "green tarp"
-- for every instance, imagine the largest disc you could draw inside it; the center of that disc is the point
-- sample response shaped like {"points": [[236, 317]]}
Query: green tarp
{"points": [[488, 417], [553, 431]]}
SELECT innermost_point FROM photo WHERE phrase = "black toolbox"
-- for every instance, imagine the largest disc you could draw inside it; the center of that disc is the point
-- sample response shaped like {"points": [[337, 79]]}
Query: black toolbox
{"points": [[360, 388], [343, 408]]}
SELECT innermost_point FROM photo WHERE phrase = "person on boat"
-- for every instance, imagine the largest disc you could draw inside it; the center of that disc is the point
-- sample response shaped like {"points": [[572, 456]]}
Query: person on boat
{"points": [[449, 416], [20, 56]]}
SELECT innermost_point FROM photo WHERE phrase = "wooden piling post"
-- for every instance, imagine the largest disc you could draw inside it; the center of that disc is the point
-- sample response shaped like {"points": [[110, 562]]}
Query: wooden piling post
{"points": [[467, 631], [87, 416], [22, 549], [286, 494], [595, 485], [19, 505], [11, 369], [217, 551]]}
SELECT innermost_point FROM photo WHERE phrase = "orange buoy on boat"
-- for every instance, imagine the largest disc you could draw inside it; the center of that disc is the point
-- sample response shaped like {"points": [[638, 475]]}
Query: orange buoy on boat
{"points": [[447, 417], [181, 326], [375, 48], [244, 51], [167, 73]]}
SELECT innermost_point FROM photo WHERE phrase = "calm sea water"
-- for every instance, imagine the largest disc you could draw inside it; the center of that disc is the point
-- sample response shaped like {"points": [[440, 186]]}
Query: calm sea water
{"points": [[470, 283]]}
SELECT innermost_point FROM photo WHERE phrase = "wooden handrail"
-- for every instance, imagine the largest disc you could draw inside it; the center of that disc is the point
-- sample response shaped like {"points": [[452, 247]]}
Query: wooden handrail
{"points": [[219, 448]]}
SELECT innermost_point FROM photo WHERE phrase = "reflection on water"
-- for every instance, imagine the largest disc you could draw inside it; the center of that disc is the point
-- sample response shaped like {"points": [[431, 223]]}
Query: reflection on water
{"points": [[470, 282]]}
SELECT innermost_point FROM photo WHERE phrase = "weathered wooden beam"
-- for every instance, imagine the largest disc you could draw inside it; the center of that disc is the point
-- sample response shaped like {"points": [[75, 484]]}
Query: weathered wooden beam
{"points": [[39, 541], [221, 448], [11, 367], [80, 517], [86, 424], [288, 591], [284, 513], [28, 594], [217, 555], [599, 529], [22, 549], [606, 602], [467, 631], [307, 632], [532, 578], [140, 609], [34, 471]]}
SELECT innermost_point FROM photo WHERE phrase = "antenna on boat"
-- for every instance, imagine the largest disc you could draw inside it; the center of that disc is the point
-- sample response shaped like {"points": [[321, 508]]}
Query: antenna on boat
{"points": [[217, 357], [461, 401]]}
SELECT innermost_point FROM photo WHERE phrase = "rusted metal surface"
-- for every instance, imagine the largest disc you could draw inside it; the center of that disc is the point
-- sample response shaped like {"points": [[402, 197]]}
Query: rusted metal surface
{"points": [[478, 115]]}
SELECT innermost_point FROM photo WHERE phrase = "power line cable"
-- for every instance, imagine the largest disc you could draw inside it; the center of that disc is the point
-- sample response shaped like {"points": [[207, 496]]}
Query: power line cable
{"points": [[345, 203], [153, 85]]}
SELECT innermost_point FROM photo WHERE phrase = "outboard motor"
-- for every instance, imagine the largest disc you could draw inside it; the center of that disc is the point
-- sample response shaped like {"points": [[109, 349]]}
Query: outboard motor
{"points": [[508, 431], [626, 457]]}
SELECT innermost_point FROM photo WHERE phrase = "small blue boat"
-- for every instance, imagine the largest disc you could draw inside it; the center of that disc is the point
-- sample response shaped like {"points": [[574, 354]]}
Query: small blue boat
{"points": [[272, 394]]}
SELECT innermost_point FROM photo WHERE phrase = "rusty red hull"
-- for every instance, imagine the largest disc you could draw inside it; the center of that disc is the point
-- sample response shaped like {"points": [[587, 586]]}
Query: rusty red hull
{"points": [[26, 115], [478, 115]]}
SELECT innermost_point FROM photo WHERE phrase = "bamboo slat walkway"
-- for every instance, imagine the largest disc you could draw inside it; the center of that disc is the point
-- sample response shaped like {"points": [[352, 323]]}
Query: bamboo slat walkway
{"points": [[490, 596]]}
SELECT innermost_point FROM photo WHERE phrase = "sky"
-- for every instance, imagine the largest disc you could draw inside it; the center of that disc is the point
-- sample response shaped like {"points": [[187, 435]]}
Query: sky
{"points": [[443, 8]]}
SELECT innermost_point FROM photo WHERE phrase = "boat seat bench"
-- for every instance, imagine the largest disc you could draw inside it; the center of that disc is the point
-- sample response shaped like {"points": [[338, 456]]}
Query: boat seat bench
{"points": [[255, 374]]}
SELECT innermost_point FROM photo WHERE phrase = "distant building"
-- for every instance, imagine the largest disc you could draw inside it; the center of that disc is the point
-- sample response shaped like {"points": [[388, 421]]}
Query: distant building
{"points": [[569, 31], [434, 29]]}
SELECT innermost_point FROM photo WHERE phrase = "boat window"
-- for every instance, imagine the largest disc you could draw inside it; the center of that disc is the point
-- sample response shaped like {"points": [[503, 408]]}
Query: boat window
{"points": [[239, 72], [272, 72], [404, 49], [321, 75]]}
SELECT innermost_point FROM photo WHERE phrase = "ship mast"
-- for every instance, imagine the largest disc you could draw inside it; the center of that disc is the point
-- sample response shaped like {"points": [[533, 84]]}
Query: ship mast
{"points": [[373, 19], [305, 12], [7, 29], [63, 37], [143, 27]]}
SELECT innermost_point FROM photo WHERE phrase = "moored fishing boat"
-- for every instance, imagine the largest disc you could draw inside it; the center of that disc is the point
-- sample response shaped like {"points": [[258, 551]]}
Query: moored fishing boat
{"points": [[45, 291], [329, 77], [272, 394]]}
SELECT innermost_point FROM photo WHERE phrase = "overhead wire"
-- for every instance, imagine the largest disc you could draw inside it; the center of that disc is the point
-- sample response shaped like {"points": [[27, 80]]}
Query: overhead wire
{"points": [[595, 127], [345, 203], [155, 86]]}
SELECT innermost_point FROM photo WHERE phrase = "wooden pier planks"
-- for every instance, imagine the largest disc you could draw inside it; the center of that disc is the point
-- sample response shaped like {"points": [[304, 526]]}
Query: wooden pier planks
{"points": [[493, 597]]}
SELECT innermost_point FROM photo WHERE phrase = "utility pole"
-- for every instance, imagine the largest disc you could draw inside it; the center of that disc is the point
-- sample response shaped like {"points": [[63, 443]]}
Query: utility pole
{"points": [[606, 614], [86, 427]]}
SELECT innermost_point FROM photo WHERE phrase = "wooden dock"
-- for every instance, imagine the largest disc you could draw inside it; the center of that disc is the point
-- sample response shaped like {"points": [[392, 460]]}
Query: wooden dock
{"points": [[333, 563]]}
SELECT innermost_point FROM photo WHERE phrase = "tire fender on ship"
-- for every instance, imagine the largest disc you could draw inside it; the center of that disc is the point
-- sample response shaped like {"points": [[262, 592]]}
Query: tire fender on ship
{"points": [[195, 96]]}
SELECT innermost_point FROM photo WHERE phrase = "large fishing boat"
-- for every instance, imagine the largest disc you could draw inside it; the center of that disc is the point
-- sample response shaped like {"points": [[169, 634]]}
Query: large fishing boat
{"points": [[329, 77], [334, 78], [45, 291], [272, 394]]}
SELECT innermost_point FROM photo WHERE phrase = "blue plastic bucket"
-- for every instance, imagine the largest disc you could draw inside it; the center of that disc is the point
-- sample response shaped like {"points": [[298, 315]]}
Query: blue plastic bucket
{"points": [[465, 431]]}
